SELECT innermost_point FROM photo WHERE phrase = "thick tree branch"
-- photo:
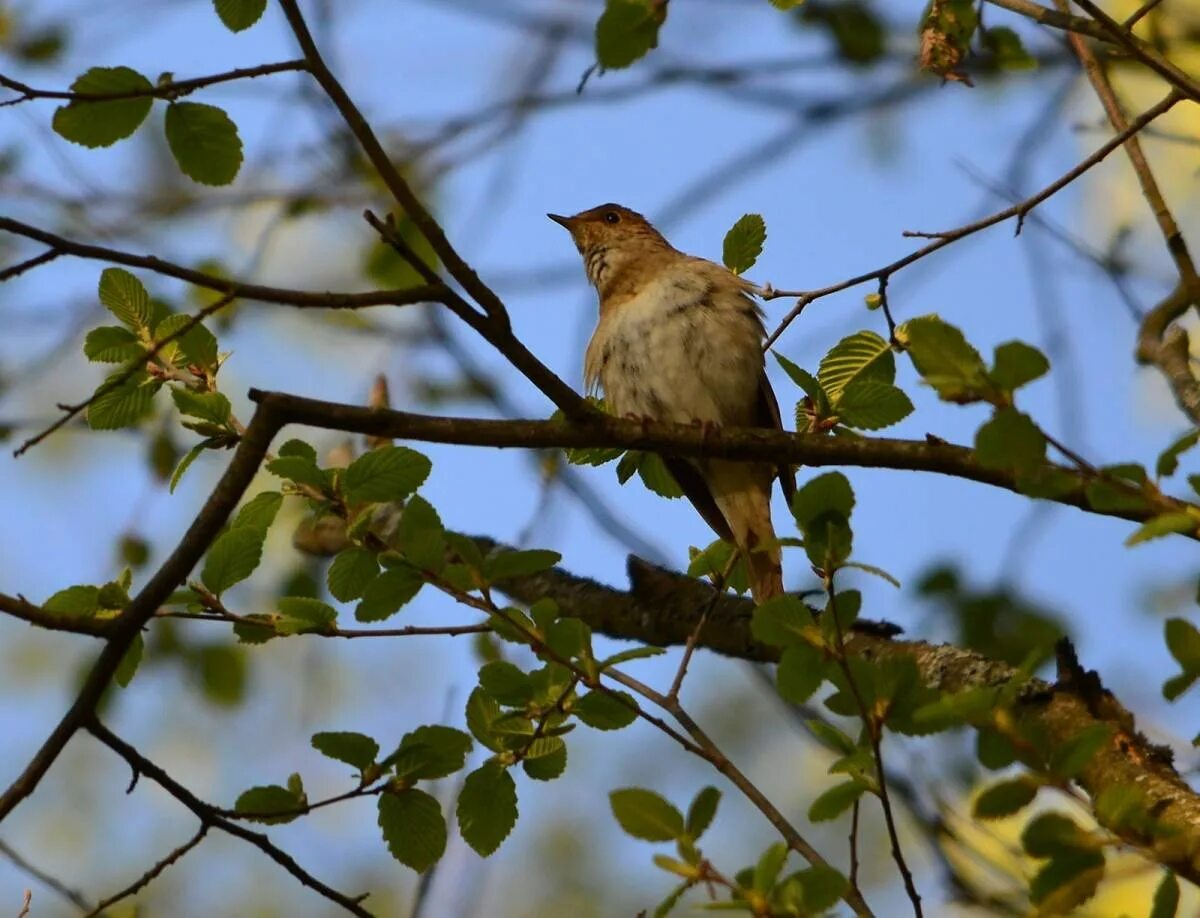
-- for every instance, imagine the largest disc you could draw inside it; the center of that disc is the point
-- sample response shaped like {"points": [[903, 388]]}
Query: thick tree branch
{"points": [[303, 299], [607, 431], [663, 608]]}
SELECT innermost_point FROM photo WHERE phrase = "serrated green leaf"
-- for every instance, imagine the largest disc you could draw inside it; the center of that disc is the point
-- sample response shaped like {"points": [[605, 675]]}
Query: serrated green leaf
{"points": [[874, 571], [1067, 881], [831, 737], [129, 662], [98, 123], [482, 713], [506, 564], [420, 535], [123, 405], [1016, 364], [944, 359], [304, 615], [624, 656], [122, 294], [783, 621], [799, 673], [861, 356], [239, 15], [820, 888], [744, 243], [700, 814], [429, 752], [111, 344], [355, 749], [388, 593], [627, 30], [506, 682], [1005, 798], [259, 512], [656, 476], [1010, 440], [351, 572], [1166, 897], [828, 493], [602, 711], [204, 142], [811, 386], [487, 807], [208, 406], [871, 404], [413, 827], [232, 558], [769, 866], [1163, 525], [547, 767], [646, 815], [835, 801], [258, 803], [1168, 460], [299, 469], [1050, 834], [190, 457], [80, 601], [390, 473]]}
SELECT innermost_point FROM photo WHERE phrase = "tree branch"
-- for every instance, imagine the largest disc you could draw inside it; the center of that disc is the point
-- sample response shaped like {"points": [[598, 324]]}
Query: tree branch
{"points": [[173, 90], [685, 440], [209, 816], [663, 608], [20, 607]]}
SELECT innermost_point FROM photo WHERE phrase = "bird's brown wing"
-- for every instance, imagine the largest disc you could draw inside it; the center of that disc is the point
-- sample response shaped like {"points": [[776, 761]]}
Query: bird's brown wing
{"points": [[766, 414], [695, 489]]}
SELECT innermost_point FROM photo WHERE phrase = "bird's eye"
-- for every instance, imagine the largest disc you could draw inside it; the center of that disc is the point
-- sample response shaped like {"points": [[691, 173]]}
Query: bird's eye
{"points": [[612, 217]]}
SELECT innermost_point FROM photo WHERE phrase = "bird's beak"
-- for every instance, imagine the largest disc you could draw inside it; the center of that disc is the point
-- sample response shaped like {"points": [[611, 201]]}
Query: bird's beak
{"points": [[560, 220]]}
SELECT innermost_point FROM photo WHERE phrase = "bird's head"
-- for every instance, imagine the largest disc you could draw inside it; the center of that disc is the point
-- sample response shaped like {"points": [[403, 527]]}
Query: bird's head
{"points": [[610, 237]]}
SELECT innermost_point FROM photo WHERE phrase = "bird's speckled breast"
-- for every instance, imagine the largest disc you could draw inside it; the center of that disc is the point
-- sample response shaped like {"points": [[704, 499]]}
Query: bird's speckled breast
{"points": [[683, 349]]}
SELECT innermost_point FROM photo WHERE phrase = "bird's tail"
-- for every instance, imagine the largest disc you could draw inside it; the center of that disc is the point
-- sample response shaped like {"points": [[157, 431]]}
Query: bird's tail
{"points": [[742, 491]]}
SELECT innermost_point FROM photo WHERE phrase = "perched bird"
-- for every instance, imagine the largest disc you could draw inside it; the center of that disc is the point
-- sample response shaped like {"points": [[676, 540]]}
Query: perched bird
{"points": [[680, 339]]}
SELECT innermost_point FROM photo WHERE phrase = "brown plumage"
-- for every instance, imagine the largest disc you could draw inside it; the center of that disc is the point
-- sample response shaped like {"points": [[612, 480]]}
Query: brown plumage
{"points": [[680, 339]]}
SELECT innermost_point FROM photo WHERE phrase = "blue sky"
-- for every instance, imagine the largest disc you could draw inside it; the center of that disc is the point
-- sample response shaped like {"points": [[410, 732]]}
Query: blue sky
{"points": [[836, 196]]}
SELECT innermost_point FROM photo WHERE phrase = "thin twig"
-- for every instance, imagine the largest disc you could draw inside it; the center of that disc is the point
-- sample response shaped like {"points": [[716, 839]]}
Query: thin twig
{"points": [[152, 873], [50, 882], [18, 269]]}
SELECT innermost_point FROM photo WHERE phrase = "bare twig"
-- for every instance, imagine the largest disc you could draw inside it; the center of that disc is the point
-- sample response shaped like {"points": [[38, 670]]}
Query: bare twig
{"points": [[73, 896], [28, 264], [142, 881]]}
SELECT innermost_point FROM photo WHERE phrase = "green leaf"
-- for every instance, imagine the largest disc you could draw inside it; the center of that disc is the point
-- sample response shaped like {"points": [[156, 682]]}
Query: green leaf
{"points": [[831, 737], [1163, 525], [506, 564], [744, 243], [700, 814], [259, 512], [354, 749], [874, 571], [299, 469], [871, 404], [420, 535], [1168, 460], [482, 713], [786, 5], [507, 683], [1050, 834], [1178, 684], [432, 751], [1005, 798], [1016, 364], [123, 405], [413, 827], [944, 359], [204, 142], [1067, 881], [835, 801], [769, 866], [269, 799], [239, 15], [1006, 47], [1010, 440], [627, 30], [820, 888], [304, 615], [101, 124], [861, 356], [624, 656], [187, 460], [111, 344], [656, 476], [208, 406], [351, 572], [604, 712], [646, 815], [77, 601], [388, 593], [1166, 897], [799, 673], [129, 662], [122, 294], [487, 807], [550, 766], [1073, 756], [828, 493], [783, 621], [1183, 640], [809, 383], [389, 473], [300, 449], [233, 557]]}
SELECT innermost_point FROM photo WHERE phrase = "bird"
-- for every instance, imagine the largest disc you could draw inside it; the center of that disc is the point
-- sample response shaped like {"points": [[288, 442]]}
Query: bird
{"points": [[679, 339]]}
